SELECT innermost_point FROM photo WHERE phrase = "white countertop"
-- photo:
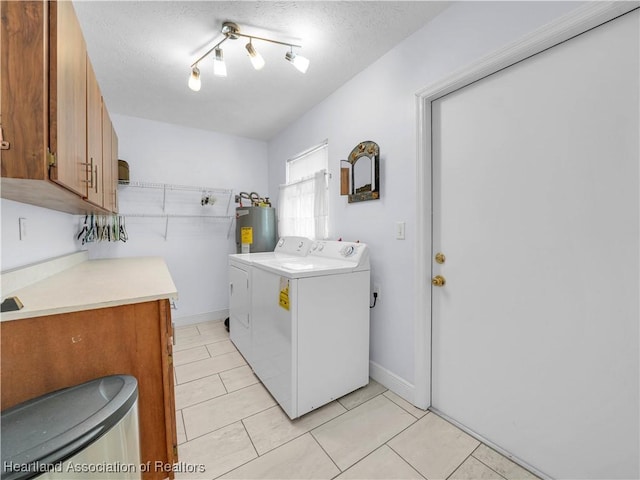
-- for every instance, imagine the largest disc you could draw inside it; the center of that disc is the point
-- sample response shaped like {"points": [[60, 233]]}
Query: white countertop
{"points": [[93, 284]]}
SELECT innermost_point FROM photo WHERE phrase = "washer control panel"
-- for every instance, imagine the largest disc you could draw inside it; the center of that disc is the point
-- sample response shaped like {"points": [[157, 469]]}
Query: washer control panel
{"points": [[293, 245], [352, 251]]}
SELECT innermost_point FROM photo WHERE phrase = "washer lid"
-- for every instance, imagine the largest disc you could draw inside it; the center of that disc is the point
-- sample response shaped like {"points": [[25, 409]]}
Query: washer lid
{"points": [[306, 266], [41, 432], [239, 259]]}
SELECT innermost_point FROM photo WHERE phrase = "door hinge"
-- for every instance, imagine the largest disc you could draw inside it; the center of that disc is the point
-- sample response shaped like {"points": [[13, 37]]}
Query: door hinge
{"points": [[175, 452], [170, 359], [4, 145], [51, 158]]}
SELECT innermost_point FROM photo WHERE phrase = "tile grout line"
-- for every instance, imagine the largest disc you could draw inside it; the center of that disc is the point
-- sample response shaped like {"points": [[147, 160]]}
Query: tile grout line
{"points": [[181, 347], [241, 421], [488, 466], [207, 399], [209, 373], [325, 452], [414, 416], [389, 447], [251, 440], [186, 438], [226, 425], [471, 455], [301, 434], [385, 443]]}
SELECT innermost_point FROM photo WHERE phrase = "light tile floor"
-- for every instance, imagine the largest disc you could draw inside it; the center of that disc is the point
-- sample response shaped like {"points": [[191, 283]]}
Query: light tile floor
{"points": [[229, 423]]}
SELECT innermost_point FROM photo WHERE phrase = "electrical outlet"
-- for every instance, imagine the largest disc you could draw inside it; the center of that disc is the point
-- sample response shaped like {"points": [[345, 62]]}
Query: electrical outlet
{"points": [[376, 288]]}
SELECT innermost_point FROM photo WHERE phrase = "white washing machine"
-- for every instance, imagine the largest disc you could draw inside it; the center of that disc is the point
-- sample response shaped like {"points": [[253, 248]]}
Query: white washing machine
{"points": [[240, 287], [310, 324]]}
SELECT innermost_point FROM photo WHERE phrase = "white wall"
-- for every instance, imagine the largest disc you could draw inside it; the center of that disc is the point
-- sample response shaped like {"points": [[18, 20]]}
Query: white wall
{"points": [[195, 252], [379, 105], [48, 234]]}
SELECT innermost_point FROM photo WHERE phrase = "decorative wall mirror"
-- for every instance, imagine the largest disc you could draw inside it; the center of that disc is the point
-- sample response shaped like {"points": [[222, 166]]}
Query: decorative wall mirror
{"points": [[361, 177]]}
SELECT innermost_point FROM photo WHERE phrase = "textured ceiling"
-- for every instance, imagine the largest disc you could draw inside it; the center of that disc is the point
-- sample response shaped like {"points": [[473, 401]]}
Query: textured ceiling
{"points": [[142, 50]]}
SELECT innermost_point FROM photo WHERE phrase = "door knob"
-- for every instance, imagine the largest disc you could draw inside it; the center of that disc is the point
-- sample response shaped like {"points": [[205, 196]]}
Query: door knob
{"points": [[440, 258], [438, 281]]}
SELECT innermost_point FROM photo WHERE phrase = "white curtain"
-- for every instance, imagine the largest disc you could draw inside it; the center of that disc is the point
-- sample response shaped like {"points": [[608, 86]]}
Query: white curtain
{"points": [[302, 208]]}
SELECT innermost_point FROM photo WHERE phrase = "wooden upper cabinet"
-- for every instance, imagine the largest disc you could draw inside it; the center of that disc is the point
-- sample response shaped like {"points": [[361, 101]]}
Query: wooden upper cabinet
{"points": [[95, 167], [50, 110], [68, 97]]}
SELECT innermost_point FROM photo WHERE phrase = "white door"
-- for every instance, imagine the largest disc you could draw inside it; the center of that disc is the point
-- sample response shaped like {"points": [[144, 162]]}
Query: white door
{"points": [[536, 208]]}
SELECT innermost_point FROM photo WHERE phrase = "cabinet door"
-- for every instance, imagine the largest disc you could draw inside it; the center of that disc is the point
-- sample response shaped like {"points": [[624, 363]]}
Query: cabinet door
{"points": [[23, 109], [114, 160], [68, 98], [109, 168], [166, 336], [95, 187]]}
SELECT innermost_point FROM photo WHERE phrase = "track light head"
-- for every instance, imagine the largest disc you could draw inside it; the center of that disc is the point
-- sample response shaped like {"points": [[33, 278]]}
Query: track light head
{"points": [[256, 59], [298, 61], [219, 67], [194, 79]]}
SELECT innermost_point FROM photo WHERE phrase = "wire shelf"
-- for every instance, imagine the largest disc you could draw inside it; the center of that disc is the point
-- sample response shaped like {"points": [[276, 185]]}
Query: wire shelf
{"points": [[175, 201]]}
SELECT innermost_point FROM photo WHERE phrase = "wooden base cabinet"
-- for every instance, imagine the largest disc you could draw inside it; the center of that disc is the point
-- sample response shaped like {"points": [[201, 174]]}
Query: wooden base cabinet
{"points": [[50, 109], [44, 354]]}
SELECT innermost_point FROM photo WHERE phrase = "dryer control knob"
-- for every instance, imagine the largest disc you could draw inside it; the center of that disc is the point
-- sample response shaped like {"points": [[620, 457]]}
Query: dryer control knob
{"points": [[348, 250]]}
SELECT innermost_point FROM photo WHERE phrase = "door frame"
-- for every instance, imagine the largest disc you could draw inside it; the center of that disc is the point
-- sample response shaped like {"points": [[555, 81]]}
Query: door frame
{"points": [[579, 20]]}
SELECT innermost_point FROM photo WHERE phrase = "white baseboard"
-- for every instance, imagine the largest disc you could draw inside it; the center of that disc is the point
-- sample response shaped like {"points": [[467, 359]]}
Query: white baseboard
{"points": [[218, 315], [397, 385]]}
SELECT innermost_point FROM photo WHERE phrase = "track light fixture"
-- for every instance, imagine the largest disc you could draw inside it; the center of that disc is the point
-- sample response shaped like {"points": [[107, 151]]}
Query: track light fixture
{"points": [[256, 59], [219, 67], [194, 79], [231, 31], [298, 61]]}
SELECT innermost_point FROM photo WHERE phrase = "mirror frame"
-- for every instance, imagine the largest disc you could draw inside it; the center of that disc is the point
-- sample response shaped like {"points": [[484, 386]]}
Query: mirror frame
{"points": [[370, 150]]}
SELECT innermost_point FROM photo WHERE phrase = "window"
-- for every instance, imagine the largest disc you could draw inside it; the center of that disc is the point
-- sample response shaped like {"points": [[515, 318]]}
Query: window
{"points": [[302, 202]]}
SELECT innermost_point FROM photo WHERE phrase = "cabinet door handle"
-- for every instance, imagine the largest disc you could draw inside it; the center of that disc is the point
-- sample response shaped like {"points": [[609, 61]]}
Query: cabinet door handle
{"points": [[90, 172], [96, 179]]}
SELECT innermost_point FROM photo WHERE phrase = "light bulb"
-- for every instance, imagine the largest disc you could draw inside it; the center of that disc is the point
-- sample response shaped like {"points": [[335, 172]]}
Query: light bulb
{"points": [[256, 59], [219, 67], [194, 79], [298, 61]]}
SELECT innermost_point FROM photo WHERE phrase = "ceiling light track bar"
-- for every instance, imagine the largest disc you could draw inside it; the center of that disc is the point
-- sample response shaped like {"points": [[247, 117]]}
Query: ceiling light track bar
{"points": [[208, 52], [253, 37]]}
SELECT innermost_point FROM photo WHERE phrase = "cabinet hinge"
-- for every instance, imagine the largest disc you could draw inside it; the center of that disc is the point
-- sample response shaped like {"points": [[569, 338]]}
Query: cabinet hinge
{"points": [[4, 145], [51, 158]]}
